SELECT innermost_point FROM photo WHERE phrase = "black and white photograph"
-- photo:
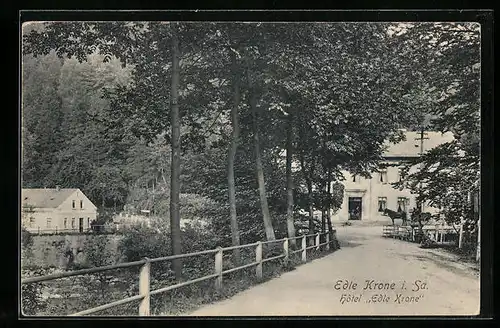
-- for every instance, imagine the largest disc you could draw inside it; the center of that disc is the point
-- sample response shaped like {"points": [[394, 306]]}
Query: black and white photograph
{"points": [[250, 168]]}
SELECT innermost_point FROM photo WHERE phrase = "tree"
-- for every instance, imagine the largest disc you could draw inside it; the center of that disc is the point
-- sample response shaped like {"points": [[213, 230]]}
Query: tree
{"points": [[42, 115], [448, 58], [155, 51], [342, 123], [289, 181], [232, 155], [258, 166], [176, 149], [236, 106]]}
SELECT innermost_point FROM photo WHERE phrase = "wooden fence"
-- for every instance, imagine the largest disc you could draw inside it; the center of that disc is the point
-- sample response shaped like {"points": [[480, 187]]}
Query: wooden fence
{"points": [[145, 273], [57, 231], [436, 233]]}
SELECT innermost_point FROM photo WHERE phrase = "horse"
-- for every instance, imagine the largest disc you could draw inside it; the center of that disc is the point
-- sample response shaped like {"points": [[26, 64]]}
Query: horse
{"points": [[396, 215]]}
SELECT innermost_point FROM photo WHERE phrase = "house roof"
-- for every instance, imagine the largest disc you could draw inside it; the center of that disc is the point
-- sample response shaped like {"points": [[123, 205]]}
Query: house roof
{"points": [[45, 197], [411, 146]]}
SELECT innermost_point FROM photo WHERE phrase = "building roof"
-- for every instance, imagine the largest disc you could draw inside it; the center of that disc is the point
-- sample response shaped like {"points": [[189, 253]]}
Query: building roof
{"points": [[411, 146], [45, 197]]}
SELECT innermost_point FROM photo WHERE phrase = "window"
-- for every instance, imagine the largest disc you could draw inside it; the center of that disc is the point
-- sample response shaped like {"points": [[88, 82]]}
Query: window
{"points": [[382, 204], [403, 204], [88, 222], [73, 204], [32, 222], [65, 223], [354, 178], [81, 204], [49, 222], [383, 176], [400, 174], [72, 223]]}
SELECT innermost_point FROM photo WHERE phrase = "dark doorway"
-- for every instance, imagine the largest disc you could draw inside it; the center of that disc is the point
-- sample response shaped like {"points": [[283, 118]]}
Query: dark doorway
{"points": [[354, 207], [80, 225]]}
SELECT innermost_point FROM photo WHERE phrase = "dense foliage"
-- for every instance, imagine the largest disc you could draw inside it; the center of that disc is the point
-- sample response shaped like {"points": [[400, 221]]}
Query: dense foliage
{"points": [[449, 59], [161, 116]]}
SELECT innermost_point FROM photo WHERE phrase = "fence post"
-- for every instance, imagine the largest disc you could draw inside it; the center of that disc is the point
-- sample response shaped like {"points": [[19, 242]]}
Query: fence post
{"points": [[317, 241], [436, 234], [304, 249], [56, 229], [218, 269], [144, 282], [285, 250], [258, 259], [327, 240]]}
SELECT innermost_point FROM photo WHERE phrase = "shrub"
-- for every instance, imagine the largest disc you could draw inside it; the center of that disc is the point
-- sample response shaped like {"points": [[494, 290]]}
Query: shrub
{"points": [[139, 242], [32, 302], [26, 238], [97, 252]]}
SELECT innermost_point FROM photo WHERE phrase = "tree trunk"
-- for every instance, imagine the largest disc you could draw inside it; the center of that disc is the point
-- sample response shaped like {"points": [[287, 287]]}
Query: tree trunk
{"points": [[323, 214], [461, 234], [268, 226], [323, 221], [289, 183], [307, 177], [235, 234], [329, 208], [175, 229], [311, 209], [153, 202], [163, 178]]}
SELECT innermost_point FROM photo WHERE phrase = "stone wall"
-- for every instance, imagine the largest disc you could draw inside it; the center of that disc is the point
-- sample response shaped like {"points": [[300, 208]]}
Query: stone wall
{"points": [[61, 251]]}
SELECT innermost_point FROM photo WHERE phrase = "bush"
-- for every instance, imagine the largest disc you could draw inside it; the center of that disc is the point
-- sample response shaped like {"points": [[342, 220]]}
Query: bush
{"points": [[139, 242], [97, 252], [92, 289], [32, 302], [26, 238]]}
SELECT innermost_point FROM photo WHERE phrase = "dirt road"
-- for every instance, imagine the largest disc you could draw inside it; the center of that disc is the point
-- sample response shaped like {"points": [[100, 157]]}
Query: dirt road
{"points": [[369, 275]]}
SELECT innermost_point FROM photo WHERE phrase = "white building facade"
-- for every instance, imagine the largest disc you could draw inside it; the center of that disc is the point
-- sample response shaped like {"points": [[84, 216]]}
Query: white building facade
{"points": [[54, 210], [365, 199]]}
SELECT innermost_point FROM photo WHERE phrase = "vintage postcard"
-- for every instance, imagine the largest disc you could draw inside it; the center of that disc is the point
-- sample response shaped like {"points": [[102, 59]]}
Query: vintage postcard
{"points": [[215, 168]]}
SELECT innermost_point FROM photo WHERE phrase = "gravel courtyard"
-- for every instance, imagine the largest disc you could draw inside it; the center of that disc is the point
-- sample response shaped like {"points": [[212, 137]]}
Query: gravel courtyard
{"points": [[369, 275]]}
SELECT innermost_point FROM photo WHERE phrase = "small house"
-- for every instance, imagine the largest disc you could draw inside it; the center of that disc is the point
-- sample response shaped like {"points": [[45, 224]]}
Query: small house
{"points": [[53, 210]]}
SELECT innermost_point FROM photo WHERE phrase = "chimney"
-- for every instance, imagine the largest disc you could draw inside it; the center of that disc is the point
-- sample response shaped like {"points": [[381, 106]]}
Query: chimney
{"points": [[57, 188]]}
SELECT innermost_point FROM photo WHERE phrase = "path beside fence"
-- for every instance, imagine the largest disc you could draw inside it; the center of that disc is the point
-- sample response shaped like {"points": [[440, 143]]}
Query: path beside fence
{"points": [[434, 284]]}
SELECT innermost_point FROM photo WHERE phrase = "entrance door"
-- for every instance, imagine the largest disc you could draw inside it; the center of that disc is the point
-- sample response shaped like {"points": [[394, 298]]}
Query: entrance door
{"points": [[354, 207], [80, 225]]}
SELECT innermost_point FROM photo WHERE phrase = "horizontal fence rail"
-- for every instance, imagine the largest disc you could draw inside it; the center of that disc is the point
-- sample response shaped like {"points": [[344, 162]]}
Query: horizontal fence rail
{"points": [[145, 273], [75, 230], [272, 241], [81, 272], [434, 232]]}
